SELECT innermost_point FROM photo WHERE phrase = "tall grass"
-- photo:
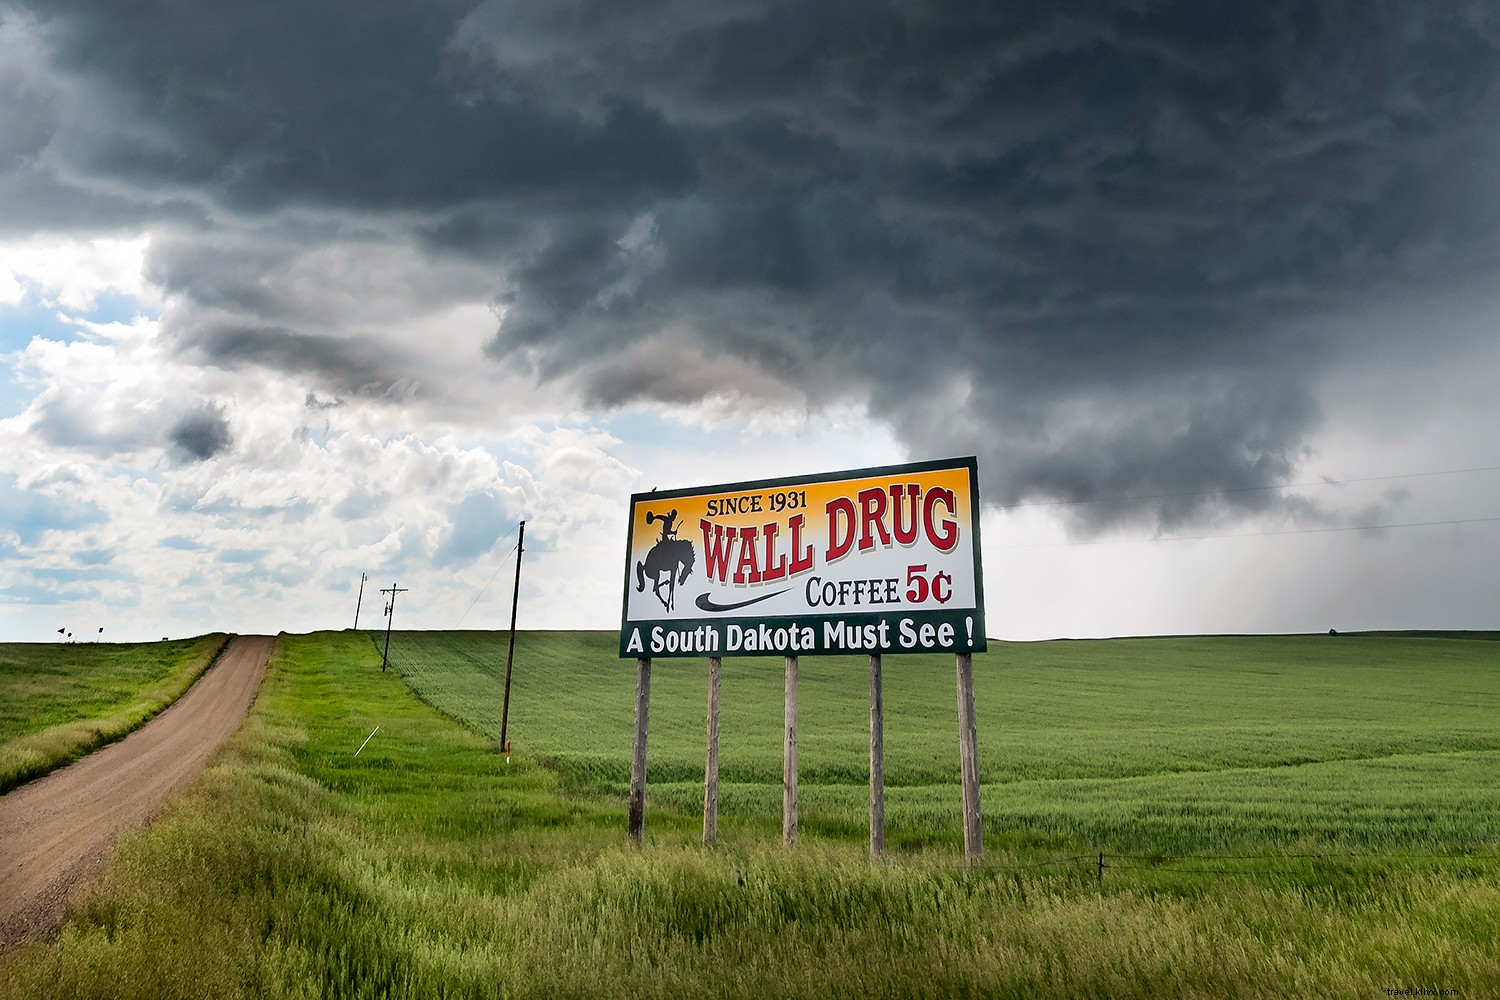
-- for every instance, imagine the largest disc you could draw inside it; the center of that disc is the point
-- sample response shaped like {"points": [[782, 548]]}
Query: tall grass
{"points": [[59, 702], [424, 866]]}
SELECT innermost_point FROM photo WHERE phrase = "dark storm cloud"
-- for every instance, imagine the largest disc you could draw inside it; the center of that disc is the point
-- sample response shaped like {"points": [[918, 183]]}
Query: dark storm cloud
{"points": [[333, 358], [1089, 247], [202, 433], [302, 298], [265, 105], [28, 116], [37, 191], [1094, 246]]}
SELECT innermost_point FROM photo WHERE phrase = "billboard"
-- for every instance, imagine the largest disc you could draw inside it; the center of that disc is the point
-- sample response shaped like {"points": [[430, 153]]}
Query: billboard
{"points": [[881, 560]]}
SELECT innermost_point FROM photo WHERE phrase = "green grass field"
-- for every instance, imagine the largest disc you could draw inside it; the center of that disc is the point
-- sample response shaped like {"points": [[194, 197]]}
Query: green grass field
{"points": [[1158, 746], [425, 866], [61, 701]]}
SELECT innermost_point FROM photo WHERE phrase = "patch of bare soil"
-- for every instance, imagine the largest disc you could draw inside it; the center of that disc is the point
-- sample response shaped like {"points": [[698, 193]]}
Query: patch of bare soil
{"points": [[58, 830]]}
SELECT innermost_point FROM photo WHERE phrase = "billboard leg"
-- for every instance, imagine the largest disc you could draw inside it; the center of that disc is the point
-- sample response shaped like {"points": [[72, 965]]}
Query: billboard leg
{"points": [[789, 759], [711, 763], [877, 761], [638, 753], [968, 760]]}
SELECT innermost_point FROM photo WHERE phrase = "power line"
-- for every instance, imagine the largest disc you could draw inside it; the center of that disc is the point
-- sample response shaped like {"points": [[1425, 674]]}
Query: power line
{"points": [[1237, 489], [505, 561], [1253, 534]]}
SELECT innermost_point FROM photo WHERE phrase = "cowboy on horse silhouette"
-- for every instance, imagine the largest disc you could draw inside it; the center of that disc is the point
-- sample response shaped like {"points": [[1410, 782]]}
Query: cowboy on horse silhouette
{"points": [[670, 555], [668, 523]]}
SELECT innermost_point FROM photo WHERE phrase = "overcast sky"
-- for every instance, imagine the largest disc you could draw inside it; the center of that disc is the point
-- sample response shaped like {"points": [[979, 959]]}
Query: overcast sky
{"points": [[292, 291]]}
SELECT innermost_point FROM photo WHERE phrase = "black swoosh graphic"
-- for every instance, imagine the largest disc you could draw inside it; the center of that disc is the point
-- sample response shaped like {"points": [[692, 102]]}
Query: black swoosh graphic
{"points": [[705, 603]]}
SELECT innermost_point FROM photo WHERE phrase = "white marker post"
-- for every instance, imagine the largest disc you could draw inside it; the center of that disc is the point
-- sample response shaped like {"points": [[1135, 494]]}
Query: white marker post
{"points": [[367, 741]]}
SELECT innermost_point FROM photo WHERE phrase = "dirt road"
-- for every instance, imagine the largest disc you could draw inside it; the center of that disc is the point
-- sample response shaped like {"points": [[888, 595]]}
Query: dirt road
{"points": [[56, 831]]}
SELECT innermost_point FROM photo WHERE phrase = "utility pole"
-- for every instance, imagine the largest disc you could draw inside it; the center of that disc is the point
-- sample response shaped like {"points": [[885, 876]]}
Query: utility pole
{"points": [[390, 616], [510, 655], [360, 600]]}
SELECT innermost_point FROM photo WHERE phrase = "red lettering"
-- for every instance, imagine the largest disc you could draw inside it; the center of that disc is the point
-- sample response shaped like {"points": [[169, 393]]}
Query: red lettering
{"points": [[942, 534], [918, 583], [747, 558], [905, 534], [872, 505], [839, 508], [775, 565], [802, 555], [716, 551]]}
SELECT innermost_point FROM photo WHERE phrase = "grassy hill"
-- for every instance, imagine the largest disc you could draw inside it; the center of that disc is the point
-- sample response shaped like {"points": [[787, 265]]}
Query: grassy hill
{"points": [[322, 857]]}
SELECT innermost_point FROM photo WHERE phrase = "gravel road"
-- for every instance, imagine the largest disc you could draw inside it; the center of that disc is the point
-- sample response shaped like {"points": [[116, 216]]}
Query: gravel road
{"points": [[58, 830]]}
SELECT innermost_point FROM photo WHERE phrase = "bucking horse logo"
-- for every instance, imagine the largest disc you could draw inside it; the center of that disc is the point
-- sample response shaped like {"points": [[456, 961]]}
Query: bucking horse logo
{"points": [[670, 555]]}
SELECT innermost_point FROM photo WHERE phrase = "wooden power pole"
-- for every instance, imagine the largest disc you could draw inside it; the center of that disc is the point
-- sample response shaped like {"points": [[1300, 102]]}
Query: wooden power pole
{"points": [[359, 600], [390, 616], [510, 654]]}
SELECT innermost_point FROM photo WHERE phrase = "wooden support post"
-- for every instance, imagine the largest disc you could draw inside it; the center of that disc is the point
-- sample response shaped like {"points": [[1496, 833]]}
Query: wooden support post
{"points": [[789, 759], [968, 760], [877, 761], [711, 763], [638, 754]]}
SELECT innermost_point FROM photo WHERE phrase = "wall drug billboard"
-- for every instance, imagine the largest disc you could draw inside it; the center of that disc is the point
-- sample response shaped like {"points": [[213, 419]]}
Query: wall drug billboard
{"points": [[881, 560]]}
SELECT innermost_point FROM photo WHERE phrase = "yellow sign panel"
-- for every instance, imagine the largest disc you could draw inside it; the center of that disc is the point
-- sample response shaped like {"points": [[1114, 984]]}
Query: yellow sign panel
{"points": [[872, 560]]}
